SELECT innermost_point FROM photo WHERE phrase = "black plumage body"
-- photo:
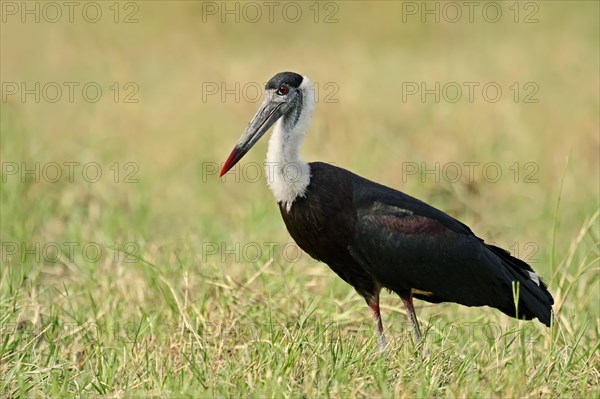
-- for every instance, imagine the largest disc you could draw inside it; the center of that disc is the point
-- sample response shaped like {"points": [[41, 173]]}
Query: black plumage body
{"points": [[375, 237]]}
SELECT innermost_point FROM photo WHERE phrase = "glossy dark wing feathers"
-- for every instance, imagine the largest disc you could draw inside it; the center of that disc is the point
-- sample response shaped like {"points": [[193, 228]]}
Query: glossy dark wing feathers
{"points": [[434, 259], [407, 244]]}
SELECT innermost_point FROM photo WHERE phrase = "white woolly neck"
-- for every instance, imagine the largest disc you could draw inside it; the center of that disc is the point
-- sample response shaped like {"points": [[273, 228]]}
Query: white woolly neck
{"points": [[287, 175]]}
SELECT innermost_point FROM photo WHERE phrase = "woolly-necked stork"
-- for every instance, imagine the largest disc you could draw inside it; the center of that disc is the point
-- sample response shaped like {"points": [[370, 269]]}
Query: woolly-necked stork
{"points": [[375, 237]]}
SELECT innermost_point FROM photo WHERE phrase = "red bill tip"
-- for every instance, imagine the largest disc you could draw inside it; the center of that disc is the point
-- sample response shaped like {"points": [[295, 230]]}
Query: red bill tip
{"points": [[229, 163]]}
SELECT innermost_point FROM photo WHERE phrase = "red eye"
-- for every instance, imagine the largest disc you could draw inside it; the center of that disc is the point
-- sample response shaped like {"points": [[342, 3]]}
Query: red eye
{"points": [[283, 90]]}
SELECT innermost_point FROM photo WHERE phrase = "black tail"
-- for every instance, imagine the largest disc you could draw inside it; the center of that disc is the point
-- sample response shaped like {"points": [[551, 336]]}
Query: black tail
{"points": [[534, 299]]}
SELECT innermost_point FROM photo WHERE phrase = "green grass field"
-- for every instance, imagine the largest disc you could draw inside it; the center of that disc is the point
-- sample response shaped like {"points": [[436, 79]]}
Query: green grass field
{"points": [[128, 268]]}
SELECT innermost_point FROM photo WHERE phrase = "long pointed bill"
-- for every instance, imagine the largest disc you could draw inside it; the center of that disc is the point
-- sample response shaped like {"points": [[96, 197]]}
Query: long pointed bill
{"points": [[268, 113]]}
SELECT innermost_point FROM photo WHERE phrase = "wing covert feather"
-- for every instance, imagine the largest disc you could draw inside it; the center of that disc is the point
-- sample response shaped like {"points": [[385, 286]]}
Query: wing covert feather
{"points": [[406, 251]]}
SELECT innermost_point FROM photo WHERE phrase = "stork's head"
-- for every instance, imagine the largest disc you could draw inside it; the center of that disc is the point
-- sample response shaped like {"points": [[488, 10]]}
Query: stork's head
{"points": [[286, 95]]}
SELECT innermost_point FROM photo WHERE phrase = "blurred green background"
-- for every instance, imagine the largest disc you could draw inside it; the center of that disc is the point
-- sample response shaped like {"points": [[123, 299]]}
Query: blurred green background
{"points": [[179, 84]]}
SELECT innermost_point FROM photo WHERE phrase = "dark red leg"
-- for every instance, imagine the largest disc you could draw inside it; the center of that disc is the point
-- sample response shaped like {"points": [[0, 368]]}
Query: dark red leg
{"points": [[374, 305]]}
